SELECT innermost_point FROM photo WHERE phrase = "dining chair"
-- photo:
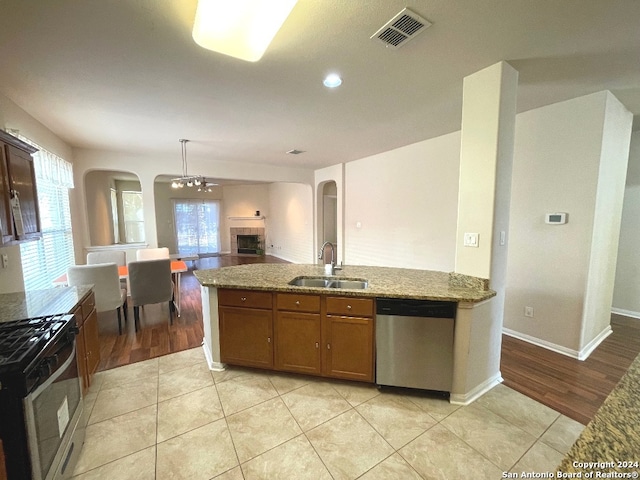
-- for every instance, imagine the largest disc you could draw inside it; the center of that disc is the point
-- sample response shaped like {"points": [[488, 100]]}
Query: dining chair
{"points": [[119, 257], [152, 253], [106, 286], [150, 282]]}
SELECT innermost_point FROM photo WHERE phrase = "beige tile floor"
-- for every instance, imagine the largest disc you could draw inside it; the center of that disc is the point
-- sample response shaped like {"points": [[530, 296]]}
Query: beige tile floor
{"points": [[172, 418]]}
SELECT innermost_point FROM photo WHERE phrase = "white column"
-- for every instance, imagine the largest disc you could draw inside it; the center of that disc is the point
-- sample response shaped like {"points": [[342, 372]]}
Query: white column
{"points": [[486, 155], [486, 159]]}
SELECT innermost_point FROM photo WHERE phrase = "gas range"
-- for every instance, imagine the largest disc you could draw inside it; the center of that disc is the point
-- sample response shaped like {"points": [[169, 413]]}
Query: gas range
{"points": [[24, 343], [40, 398]]}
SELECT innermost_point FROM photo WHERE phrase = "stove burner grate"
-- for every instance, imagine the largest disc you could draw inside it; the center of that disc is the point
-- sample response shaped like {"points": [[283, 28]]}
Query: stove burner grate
{"points": [[20, 339]]}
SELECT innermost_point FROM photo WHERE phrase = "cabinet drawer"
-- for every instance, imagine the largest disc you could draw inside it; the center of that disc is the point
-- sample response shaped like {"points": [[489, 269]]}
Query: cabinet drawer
{"points": [[356, 307], [245, 298], [88, 305], [298, 303]]}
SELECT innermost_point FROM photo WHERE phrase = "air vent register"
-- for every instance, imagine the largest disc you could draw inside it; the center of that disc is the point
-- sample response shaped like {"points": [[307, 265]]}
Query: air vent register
{"points": [[405, 26]]}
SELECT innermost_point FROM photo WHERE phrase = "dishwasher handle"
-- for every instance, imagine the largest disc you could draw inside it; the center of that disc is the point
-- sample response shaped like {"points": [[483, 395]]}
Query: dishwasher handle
{"points": [[415, 308]]}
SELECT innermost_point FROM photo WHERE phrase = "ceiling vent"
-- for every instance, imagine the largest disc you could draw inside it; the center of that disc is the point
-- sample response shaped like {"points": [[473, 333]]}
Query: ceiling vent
{"points": [[295, 151], [405, 26]]}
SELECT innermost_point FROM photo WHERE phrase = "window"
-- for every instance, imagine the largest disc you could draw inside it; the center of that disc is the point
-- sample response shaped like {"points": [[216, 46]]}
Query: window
{"points": [[114, 215], [48, 258], [197, 226], [133, 215]]}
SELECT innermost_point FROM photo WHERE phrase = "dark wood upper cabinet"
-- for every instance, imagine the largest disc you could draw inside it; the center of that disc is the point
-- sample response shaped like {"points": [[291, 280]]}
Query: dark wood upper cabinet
{"points": [[18, 180], [6, 221]]}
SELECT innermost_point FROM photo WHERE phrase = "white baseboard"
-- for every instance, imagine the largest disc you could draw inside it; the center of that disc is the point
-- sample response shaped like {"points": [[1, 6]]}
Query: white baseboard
{"points": [[214, 366], [475, 393], [591, 346], [626, 313], [578, 355]]}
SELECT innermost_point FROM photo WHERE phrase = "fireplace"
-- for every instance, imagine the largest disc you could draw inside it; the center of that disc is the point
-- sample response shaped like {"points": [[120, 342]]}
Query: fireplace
{"points": [[247, 241], [249, 244]]}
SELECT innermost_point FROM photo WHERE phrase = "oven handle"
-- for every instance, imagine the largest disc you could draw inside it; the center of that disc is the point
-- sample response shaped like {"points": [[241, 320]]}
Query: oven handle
{"points": [[33, 395]]}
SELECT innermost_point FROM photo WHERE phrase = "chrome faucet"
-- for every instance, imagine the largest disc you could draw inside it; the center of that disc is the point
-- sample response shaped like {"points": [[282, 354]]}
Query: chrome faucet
{"points": [[333, 253]]}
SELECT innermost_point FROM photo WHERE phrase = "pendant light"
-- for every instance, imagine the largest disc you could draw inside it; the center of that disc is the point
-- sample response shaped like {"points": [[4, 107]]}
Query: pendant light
{"points": [[190, 180]]}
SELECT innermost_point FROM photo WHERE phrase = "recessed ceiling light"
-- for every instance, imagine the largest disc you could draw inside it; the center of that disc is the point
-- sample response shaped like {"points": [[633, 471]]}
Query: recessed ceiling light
{"points": [[332, 80]]}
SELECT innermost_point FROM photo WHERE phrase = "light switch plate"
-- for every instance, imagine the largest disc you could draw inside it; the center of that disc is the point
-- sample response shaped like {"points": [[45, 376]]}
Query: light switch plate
{"points": [[471, 240]]}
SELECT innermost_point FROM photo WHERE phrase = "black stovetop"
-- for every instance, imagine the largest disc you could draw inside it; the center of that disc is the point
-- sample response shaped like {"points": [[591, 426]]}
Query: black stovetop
{"points": [[21, 341]]}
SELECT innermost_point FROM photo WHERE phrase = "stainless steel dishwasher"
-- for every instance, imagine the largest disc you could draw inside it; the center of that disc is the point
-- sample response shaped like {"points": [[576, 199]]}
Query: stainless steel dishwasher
{"points": [[414, 343]]}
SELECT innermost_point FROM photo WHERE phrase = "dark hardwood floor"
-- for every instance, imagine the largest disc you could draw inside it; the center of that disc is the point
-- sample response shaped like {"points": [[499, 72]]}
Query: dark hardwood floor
{"points": [[156, 337], [572, 387]]}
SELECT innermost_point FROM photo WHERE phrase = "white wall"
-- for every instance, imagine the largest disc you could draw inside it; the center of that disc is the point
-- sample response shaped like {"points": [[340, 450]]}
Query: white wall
{"points": [[322, 177], [614, 157], [626, 294], [558, 155], [100, 225], [486, 157], [243, 201], [149, 166], [405, 202], [290, 223]]}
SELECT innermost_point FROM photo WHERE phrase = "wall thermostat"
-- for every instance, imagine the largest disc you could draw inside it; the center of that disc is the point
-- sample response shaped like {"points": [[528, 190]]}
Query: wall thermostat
{"points": [[558, 218]]}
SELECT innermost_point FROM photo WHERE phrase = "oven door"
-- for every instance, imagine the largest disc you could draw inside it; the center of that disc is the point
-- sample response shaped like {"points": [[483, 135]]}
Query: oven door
{"points": [[52, 413]]}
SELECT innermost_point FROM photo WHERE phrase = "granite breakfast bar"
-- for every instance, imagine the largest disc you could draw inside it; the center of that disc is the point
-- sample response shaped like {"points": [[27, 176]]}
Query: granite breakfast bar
{"points": [[477, 331], [609, 446]]}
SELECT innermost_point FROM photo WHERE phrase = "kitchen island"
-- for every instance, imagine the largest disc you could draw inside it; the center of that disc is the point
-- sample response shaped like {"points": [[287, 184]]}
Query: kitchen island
{"points": [[477, 334]]}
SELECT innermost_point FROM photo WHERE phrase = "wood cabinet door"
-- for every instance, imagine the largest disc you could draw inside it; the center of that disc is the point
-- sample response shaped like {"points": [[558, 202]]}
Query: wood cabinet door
{"points": [[81, 350], [3, 467], [23, 181], [6, 222], [246, 336], [298, 337], [348, 348], [92, 343]]}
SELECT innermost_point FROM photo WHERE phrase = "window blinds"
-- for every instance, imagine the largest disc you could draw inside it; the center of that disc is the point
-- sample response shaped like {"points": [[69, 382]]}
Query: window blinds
{"points": [[48, 258]]}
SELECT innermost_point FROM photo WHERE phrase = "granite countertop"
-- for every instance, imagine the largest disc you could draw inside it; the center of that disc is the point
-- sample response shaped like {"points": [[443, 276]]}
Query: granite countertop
{"points": [[611, 438], [37, 303], [383, 281]]}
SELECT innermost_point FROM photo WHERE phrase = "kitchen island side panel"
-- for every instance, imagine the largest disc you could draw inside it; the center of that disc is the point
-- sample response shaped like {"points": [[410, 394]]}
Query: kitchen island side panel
{"points": [[476, 355], [211, 340]]}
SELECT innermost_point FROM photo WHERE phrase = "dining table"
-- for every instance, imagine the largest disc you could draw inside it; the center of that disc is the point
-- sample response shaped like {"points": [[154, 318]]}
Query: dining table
{"points": [[177, 268]]}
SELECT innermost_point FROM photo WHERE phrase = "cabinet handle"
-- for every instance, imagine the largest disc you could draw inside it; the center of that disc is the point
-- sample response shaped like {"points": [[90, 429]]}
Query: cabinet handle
{"points": [[328, 346], [268, 339], [317, 345], [297, 302], [348, 307], [243, 299]]}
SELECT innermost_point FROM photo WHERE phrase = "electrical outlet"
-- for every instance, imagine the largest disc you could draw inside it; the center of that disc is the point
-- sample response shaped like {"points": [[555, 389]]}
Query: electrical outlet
{"points": [[5, 260], [528, 312], [471, 240]]}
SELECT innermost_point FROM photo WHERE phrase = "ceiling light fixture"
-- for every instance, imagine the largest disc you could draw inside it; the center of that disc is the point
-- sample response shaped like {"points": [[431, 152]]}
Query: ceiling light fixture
{"points": [[240, 28], [190, 180], [332, 80]]}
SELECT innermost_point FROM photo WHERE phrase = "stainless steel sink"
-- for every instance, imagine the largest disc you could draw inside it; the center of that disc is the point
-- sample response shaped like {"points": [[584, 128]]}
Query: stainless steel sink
{"points": [[322, 282], [310, 282], [352, 284]]}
